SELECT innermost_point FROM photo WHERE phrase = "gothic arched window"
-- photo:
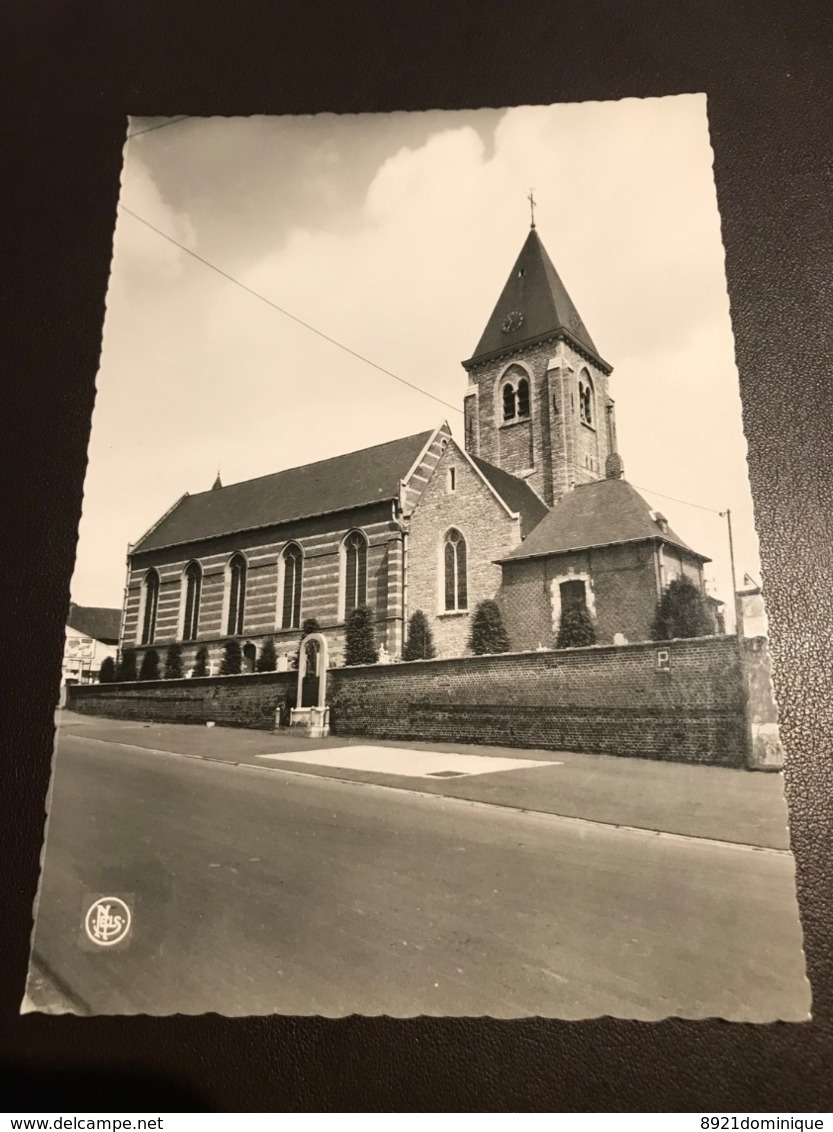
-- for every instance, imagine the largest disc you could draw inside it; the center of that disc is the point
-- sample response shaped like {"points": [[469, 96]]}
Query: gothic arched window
{"points": [[193, 591], [236, 582], [509, 401], [523, 398], [150, 604], [293, 567], [454, 565], [355, 571], [586, 399]]}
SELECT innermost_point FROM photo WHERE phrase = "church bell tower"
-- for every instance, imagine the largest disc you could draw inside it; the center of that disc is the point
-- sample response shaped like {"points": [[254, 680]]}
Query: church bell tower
{"points": [[537, 403]]}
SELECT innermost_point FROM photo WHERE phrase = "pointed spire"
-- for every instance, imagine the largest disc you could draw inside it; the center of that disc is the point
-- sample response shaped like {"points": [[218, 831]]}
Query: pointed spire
{"points": [[218, 483], [534, 305]]}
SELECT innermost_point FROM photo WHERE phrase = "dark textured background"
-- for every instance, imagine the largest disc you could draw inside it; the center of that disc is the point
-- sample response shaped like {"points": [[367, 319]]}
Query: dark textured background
{"points": [[71, 73]]}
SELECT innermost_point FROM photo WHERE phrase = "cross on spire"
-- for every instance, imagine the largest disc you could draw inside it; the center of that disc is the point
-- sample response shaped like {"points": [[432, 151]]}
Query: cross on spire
{"points": [[531, 198]]}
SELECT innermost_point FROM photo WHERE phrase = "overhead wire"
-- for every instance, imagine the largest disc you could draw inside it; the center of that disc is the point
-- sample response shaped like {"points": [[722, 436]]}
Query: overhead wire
{"points": [[340, 345], [684, 502], [158, 126], [288, 314]]}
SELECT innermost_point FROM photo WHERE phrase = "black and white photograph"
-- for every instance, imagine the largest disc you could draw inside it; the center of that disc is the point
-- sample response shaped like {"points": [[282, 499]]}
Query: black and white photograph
{"points": [[417, 658]]}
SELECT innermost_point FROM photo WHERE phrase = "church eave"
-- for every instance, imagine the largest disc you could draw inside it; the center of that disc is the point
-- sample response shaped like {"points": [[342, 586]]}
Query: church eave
{"points": [[600, 546], [551, 336], [138, 550]]}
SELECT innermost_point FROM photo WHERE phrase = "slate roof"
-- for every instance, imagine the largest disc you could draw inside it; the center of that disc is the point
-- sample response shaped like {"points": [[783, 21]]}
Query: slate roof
{"points": [[95, 621], [370, 475], [535, 290], [516, 494], [602, 513]]}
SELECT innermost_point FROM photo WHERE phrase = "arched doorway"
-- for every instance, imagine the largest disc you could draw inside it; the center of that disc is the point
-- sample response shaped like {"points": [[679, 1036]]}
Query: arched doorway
{"points": [[249, 656]]}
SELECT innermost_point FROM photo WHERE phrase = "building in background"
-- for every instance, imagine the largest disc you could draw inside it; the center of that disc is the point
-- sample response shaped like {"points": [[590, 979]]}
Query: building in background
{"points": [[92, 633]]}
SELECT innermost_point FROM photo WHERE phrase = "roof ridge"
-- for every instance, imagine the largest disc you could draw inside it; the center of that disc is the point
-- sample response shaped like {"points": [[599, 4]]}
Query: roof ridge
{"points": [[615, 515], [357, 478], [313, 463]]}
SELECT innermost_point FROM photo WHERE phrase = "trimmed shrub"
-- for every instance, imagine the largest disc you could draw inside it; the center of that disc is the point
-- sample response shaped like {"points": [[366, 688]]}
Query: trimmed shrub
{"points": [[150, 665], [201, 662], [232, 660], [420, 642], [107, 673], [360, 639], [173, 663], [681, 612], [268, 659], [576, 629], [310, 625], [488, 633], [127, 665]]}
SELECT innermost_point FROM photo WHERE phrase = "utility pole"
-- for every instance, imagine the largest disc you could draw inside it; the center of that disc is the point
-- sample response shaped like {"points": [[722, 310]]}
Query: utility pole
{"points": [[727, 515]]}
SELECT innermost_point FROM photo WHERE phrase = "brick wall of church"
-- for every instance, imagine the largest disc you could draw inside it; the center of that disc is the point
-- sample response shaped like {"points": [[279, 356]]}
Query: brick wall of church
{"points": [[565, 449], [320, 539], [489, 531], [675, 563], [622, 591]]}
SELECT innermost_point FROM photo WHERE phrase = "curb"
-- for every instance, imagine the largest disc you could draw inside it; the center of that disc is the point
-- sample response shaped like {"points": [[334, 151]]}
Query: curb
{"points": [[583, 822]]}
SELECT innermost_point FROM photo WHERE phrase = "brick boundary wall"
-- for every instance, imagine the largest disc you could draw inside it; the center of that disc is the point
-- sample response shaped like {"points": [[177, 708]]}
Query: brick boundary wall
{"points": [[248, 700], [606, 699]]}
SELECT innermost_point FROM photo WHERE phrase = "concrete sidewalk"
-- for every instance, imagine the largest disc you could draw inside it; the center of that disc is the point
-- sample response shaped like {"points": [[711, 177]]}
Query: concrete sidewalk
{"points": [[739, 806]]}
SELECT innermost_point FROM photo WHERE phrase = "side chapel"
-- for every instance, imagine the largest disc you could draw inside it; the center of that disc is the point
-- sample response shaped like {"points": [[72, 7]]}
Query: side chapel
{"points": [[532, 511]]}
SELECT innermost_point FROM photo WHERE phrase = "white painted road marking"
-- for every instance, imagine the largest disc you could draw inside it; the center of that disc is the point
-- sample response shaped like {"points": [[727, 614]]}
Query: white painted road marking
{"points": [[406, 763]]}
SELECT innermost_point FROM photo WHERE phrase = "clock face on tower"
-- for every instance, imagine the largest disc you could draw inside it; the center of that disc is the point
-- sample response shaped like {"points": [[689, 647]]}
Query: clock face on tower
{"points": [[513, 321]]}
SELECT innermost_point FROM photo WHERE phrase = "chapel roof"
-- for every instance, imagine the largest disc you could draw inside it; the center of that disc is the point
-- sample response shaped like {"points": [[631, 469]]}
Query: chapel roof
{"points": [[95, 621], [602, 513], [355, 479], [516, 494], [535, 291]]}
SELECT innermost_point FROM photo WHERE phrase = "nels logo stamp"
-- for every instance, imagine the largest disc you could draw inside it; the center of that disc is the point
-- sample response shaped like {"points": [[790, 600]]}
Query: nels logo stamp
{"points": [[107, 922]]}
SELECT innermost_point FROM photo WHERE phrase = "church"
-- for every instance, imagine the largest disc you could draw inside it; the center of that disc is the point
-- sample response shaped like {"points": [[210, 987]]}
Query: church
{"points": [[531, 510]]}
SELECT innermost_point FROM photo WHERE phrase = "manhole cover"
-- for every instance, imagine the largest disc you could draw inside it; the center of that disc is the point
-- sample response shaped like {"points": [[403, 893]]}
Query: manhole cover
{"points": [[446, 774]]}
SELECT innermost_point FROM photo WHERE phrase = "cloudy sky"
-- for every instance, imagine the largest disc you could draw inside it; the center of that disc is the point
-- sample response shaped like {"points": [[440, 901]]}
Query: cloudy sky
{"points": [[394, 234]]}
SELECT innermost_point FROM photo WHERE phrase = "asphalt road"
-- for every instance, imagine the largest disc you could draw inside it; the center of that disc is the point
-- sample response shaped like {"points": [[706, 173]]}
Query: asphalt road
{"points": [[255, 890]]}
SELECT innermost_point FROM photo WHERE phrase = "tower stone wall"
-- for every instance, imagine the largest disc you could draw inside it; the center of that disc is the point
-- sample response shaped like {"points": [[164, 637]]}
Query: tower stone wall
{"points": [[559, 443]]}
